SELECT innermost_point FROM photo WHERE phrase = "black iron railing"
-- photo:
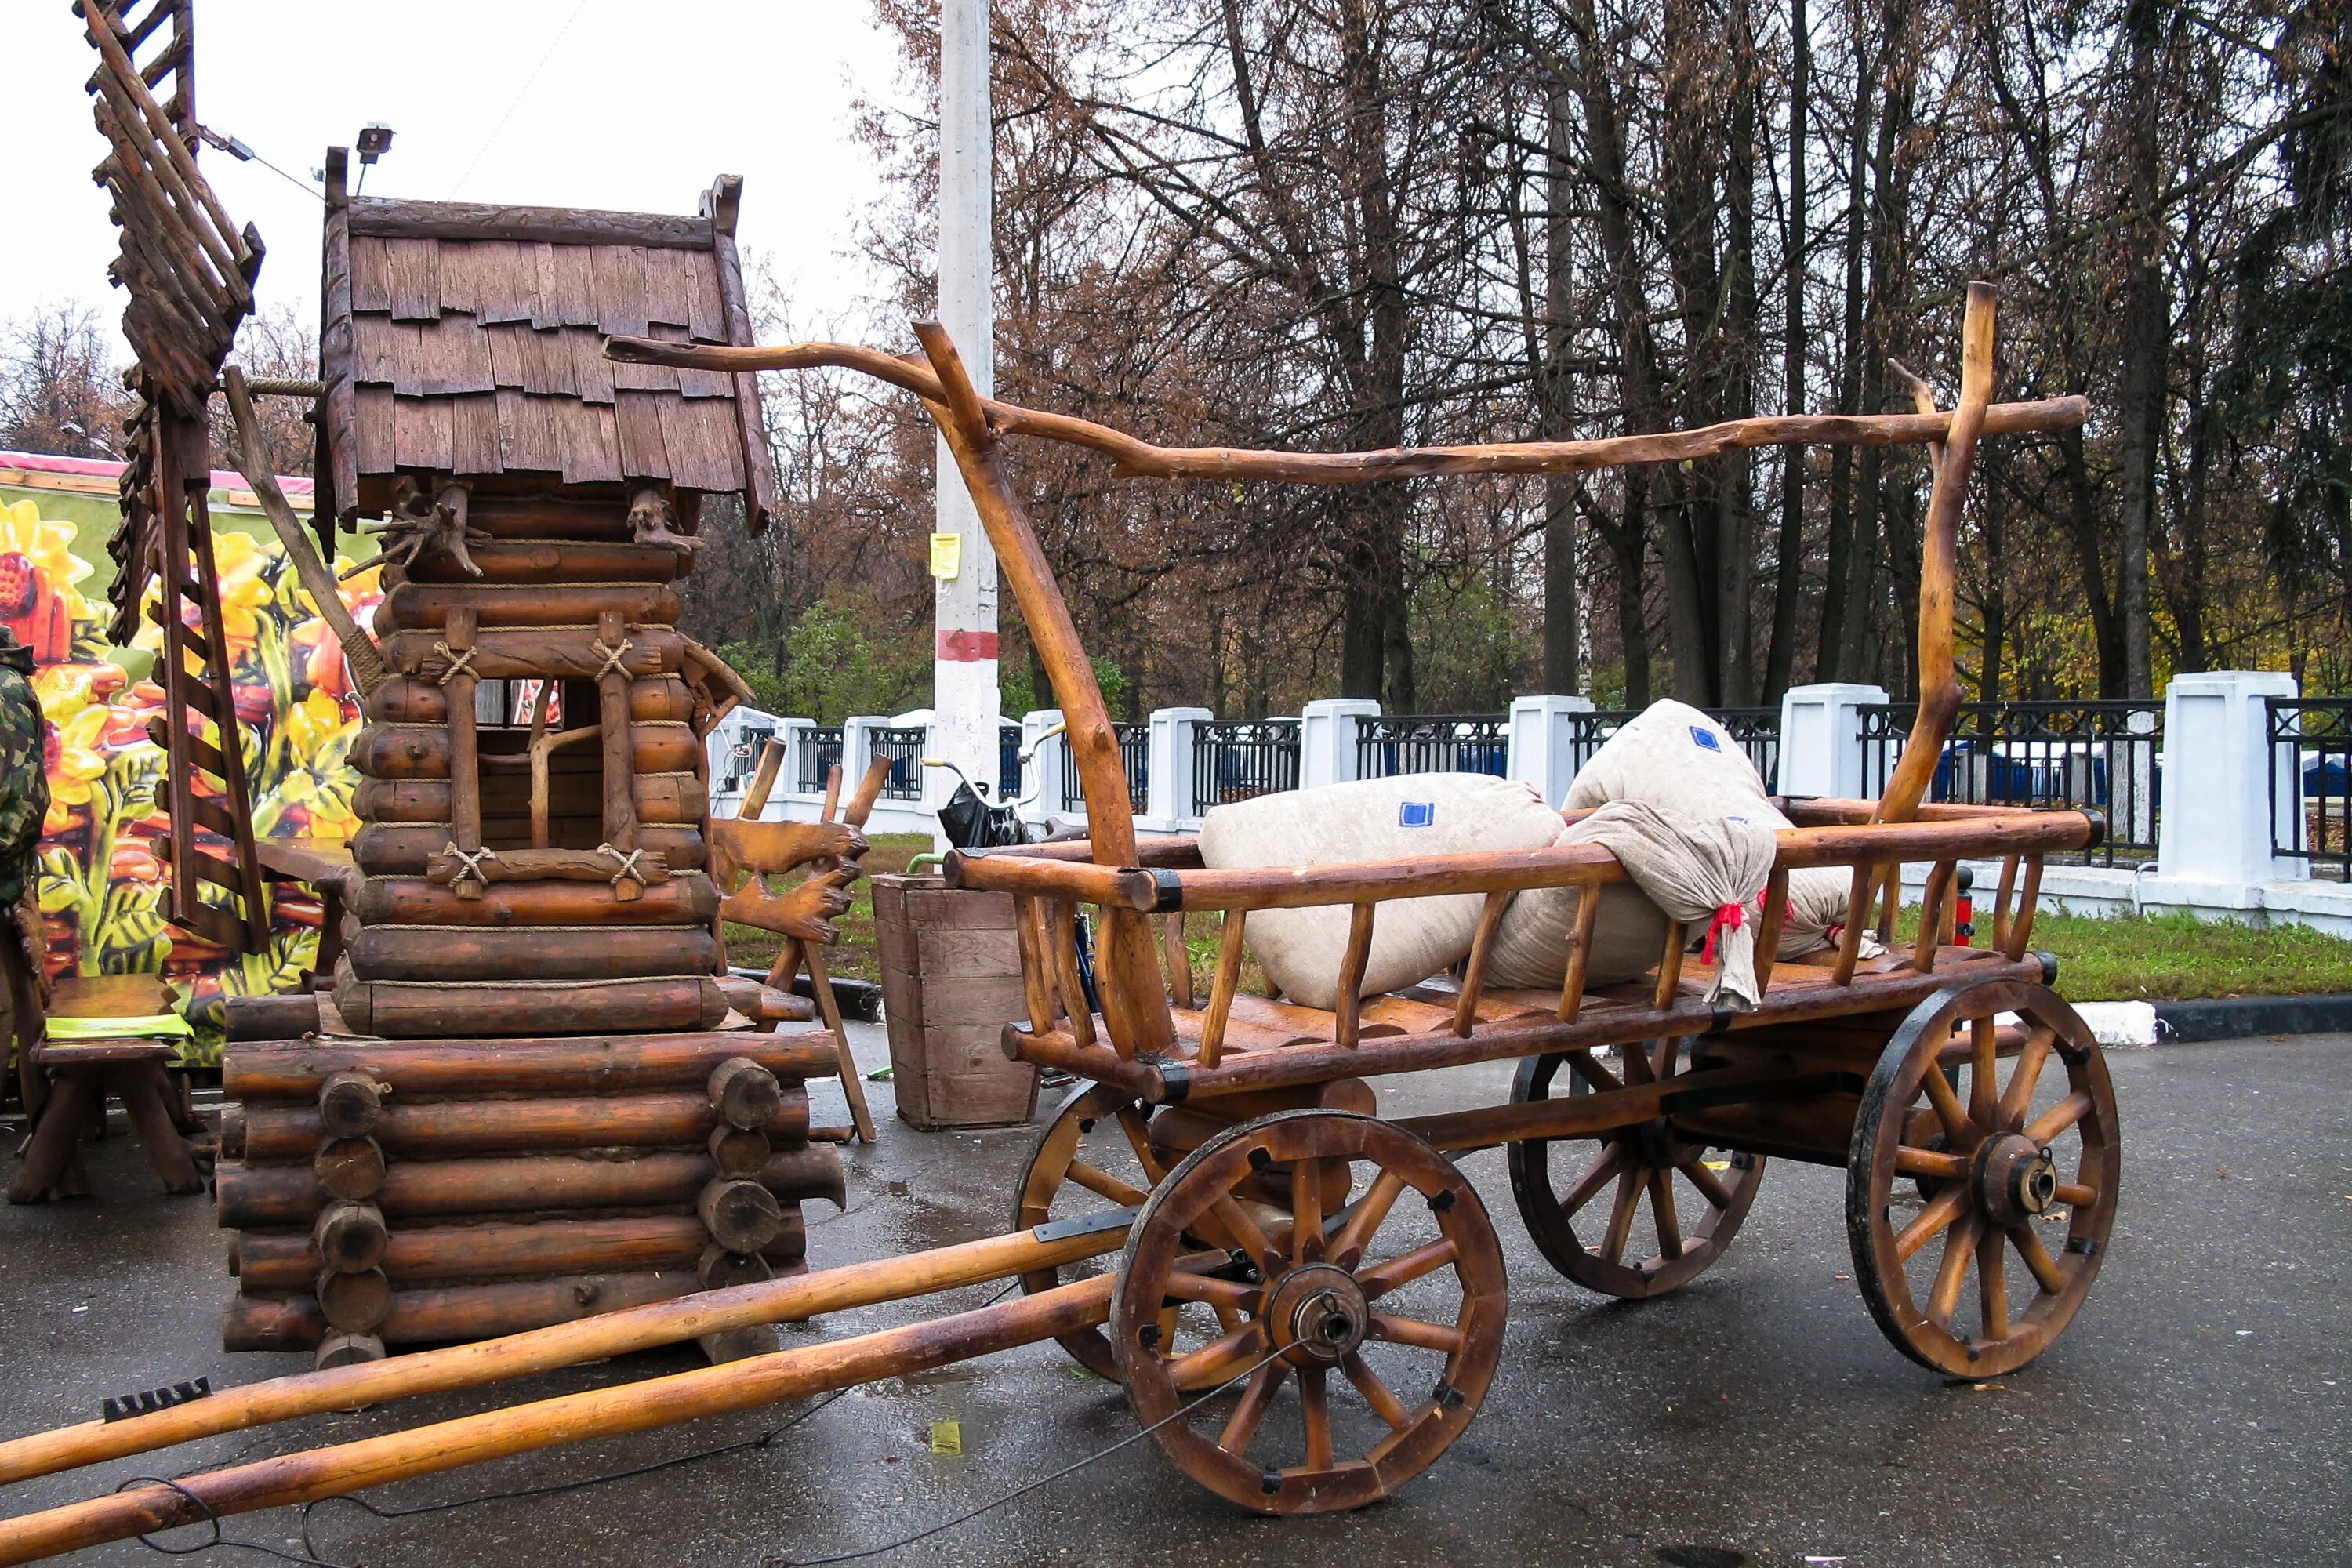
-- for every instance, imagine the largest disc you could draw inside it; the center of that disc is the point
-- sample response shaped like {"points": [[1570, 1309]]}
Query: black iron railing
{"points": [[903, 744], [1234, 759], [1756, 730], [819, 753], [2310, 744], [1134, 757], [2101, 756], [1008, 762], [1390, 744]]}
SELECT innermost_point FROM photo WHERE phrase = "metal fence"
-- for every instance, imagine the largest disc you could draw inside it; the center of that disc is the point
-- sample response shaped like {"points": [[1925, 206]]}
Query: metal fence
{"points": [[819, 753], [1756, 730], [2104, 755], [1008, 762], [1134, 757], [1388, 744], [2310, 744], [1235, 759], [904, 746]]}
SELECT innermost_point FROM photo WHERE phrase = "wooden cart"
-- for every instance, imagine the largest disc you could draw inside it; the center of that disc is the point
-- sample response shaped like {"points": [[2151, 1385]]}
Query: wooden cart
{"points": [[1273, 1243]]}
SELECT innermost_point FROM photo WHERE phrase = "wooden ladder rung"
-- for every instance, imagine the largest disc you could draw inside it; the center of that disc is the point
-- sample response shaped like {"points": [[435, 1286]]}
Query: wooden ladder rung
{"points": [[215, 870], [211, 813], [201, 751], [200, 697], [215, 925]]}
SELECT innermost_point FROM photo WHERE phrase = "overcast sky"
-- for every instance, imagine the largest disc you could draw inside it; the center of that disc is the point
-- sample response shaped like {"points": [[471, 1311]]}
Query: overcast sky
{"points": [[636, 106]]}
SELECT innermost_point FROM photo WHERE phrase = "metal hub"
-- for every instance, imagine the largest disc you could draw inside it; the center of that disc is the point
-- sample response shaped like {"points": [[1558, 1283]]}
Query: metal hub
{"points": [[1316, 1314], [2014, 1178]]}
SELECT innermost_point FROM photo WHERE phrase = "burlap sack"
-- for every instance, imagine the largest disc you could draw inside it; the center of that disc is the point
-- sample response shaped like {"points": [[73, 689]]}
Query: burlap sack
{"points": [[1675, 758], [1706, 872], [1372, 819]]}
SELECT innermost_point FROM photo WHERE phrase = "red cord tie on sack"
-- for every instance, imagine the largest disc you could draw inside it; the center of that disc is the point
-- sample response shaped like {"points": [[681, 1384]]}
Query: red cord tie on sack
{"points": [[1728, 916]]}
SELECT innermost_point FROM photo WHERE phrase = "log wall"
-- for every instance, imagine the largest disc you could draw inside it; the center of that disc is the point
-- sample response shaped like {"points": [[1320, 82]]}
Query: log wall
{"points": [[524, 1096]]}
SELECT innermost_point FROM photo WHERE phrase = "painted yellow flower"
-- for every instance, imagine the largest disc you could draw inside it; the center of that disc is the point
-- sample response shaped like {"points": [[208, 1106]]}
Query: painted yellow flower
{"points": [[237, 562], [64, 690], [75, 764], [311, 724], [47, 545]]}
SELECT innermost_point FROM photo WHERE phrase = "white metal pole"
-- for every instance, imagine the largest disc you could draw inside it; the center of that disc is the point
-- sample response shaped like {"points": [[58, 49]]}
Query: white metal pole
{"points": [[964, 700]]}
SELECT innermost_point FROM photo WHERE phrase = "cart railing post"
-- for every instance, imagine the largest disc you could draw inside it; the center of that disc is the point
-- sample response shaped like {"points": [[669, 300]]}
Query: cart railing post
{"points": [[1542, 746]]}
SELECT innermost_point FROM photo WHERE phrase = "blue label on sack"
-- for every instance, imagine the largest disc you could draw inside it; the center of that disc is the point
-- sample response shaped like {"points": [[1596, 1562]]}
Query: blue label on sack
{"points": [[1705, 739], [1416, 814]]}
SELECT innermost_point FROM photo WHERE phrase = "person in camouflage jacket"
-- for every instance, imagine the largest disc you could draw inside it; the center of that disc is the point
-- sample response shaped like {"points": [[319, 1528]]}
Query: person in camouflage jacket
{"points": [[24, 775], [24, 803]]}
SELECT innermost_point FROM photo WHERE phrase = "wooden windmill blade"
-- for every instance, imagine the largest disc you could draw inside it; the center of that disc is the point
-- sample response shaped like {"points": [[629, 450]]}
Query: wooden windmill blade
{"points": [[189, 271]]}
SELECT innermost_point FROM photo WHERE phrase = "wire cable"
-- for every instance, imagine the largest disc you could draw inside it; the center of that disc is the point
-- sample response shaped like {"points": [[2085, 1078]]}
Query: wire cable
{"points": [[1025, 1488], [554, 1488], [515, 101], [218, 1540]]}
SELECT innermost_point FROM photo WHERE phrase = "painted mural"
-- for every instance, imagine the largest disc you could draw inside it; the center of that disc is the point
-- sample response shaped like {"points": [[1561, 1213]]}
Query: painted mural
{"points": [[104, 887]]}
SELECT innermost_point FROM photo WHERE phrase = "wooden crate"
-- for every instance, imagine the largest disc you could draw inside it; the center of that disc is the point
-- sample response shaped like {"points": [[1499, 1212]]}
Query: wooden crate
{"points": [[951, 982]]}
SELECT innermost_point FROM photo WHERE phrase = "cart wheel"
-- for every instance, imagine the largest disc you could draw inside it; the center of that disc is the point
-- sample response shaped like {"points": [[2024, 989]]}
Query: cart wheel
{"points": [[1696, 1196], [2020, 1168], [1092, 1155], [1366, 1294]]}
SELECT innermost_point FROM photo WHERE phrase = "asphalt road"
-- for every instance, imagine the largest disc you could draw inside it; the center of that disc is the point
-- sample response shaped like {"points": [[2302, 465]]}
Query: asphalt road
{"points": [[2196, 1412]]}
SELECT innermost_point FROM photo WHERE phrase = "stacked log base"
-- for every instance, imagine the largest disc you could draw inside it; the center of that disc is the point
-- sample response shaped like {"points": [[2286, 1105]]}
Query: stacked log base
{"points": [[389, 1192]]}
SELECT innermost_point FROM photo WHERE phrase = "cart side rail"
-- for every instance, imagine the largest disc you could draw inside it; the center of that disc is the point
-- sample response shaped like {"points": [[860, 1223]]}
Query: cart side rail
{"points": [[1164, 890]]}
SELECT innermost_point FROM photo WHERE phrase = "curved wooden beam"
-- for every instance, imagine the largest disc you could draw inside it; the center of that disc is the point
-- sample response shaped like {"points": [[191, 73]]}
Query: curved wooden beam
{"points": [[1939, 685], [1135, 1004], [1142, 459]]}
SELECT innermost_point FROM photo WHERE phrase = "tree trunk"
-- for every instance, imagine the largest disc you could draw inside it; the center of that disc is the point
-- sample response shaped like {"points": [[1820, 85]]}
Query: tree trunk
{"points": [[1779, 662], [2146, 331], [1555, 407], [1838, 596]]}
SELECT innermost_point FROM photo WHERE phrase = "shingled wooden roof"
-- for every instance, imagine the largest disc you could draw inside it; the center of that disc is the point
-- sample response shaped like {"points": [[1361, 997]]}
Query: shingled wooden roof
{"points": [[467, 340]]}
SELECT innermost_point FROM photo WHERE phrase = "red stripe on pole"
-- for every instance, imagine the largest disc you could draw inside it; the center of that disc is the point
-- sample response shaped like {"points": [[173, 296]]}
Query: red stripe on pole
{"points": [[959, 647]]}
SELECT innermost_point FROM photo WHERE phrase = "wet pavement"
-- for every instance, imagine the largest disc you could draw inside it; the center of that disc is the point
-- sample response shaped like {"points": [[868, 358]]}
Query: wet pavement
{"points": [[2199, 1411]]}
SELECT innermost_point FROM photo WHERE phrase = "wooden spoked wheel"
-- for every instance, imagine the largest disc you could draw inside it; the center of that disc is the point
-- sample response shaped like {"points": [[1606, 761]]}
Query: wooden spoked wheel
{"points": [[1094, 1154], [1378, 1323], [1982, 1184], [1672, 1206]]}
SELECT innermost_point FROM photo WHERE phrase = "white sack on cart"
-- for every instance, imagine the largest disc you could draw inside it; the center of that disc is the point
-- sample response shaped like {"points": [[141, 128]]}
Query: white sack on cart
{"points": [[1531, 948], [1675, 758], [1372, 819], [1706, 872]]}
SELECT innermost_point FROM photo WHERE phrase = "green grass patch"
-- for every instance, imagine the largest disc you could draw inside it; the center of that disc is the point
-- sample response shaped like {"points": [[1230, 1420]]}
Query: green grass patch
{"points": [[2176, 957]]}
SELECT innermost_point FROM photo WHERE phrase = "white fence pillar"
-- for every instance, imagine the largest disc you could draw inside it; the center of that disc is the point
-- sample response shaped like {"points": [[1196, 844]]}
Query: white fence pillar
{"points": [[1327, 739], [2216, 822], [1543, 743], [1045, 797], [1168, 777], [1821, 739]]}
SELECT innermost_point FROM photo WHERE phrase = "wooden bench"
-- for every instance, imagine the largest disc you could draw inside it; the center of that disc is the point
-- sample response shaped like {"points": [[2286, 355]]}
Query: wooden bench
{"points": [[79, 1075]]}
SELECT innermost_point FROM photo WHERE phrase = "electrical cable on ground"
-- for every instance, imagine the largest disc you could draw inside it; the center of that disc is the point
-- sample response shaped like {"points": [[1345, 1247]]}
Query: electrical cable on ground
{"points": [[1025, 1488], [218, 1540]]}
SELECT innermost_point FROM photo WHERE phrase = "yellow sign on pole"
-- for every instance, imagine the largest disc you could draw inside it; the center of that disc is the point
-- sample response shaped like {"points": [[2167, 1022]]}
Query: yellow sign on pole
{"points": [[946, 556]]}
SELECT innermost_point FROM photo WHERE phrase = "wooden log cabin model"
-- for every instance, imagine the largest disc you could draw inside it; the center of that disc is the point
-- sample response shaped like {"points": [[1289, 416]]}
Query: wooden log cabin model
{"points": [[525, 1087], [1304, 1300]]}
